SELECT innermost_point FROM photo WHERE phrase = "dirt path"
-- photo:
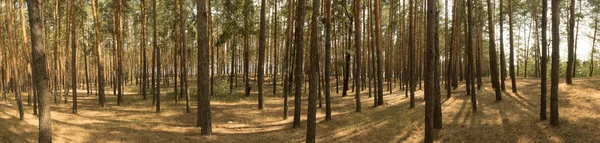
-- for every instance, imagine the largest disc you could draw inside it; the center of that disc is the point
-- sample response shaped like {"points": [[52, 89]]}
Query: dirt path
{"points": [[515, 119]]}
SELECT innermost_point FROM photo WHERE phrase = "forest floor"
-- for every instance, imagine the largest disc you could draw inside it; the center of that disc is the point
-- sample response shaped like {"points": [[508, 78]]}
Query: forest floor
{"points": [[236, 118]]}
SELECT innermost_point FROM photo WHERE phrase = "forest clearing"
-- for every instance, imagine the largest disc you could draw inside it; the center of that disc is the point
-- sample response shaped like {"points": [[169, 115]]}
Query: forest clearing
{"points": [[236, 120], [299, 71]]}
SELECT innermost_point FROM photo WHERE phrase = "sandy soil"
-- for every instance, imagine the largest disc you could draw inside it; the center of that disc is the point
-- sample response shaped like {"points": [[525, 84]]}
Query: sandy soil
{"points": [[236, 119]]}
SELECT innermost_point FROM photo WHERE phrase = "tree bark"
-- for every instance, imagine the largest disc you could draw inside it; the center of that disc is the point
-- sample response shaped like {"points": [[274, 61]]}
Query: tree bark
{"points": [[555, 63], [571, 43], [299, 43], [327, 59], [98, 53], [379, 52], [411, 52], [261, 53], [40, 72], [286, 63], [73, 55], [357, 34], [143, 48], [512, 51], [157, 49], [492, 52], [313, 77], [502, 56], [470, 63], [431, 65], [204, 111]]}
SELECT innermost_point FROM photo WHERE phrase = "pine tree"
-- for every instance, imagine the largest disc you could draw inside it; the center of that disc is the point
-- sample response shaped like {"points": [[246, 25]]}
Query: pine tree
{"points": [[40, 75], [204, 111]]}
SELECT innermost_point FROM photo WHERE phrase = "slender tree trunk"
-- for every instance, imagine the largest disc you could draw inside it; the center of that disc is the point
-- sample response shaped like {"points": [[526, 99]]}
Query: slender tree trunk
{"points": [[502, 57], [470, 63], [593, 49], [411, 52], [143, 48], [40, 75], [327, 59], [357, 34], [73, 56], [15, 75], [379, 52], [261, 53], [543, 61], [157, 49], [492, 52], [246, 48], [275, 45], [313, 76], [98, 53], [512, 51], [555, 63], [299, 43], [431, 65], [288, 58], [184, 57], [87, 74], [204, 111], [571, 43]]}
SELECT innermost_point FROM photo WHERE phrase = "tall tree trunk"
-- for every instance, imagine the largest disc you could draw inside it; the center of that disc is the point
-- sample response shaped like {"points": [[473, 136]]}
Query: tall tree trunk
{"points": [[502, 56], [275, 45], [357, 34], [313, 76], [571, 43], [379, 52], [261, 53], [98, 53], [184, 57], [298, 76], [543, 61], [555, 63], [411, 52], [157, 49], [431, 65], [15, 75], [204, 111], [327, 59], [247, 46], [40, 72], [512, 51], [492, 52], [73, 55], [143, 48], [286, 64], [470, 63]]}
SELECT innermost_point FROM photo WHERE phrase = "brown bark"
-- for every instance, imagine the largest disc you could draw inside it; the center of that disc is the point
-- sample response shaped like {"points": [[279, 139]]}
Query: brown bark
{"points": [[261, 54], [357, 59], [327, 59], [313, 75], [40, 75], [543, 61], [204, 111], [492, 52], [298, 73], [512, 51], [555, 63], [431, 65], [98, 53], [571, 43]]}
